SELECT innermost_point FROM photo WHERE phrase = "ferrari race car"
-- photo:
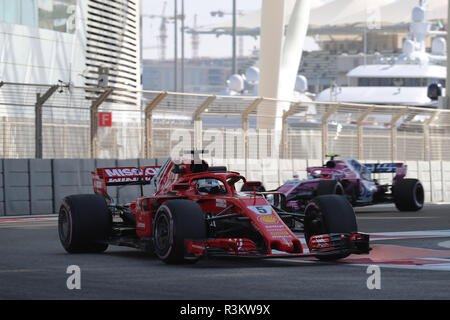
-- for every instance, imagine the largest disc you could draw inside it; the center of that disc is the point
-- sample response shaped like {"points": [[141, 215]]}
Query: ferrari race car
{"points": [[196, 211], [350, 178]]}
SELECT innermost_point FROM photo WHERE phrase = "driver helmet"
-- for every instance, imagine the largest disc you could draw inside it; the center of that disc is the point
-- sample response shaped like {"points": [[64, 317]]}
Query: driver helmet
{"points": [[208, 186]]}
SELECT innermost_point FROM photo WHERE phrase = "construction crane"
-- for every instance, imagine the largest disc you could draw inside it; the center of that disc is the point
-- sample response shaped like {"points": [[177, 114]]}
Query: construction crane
{"points": [[195, 42], [162, 37]]}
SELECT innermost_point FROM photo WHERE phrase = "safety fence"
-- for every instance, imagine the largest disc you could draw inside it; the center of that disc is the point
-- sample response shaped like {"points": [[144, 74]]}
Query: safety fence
{"points": [[61, 121], [37, 186], [52, 136]]}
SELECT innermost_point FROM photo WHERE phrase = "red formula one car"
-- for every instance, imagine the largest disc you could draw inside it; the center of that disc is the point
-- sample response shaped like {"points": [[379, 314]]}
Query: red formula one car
{"points": [[196, 211]]}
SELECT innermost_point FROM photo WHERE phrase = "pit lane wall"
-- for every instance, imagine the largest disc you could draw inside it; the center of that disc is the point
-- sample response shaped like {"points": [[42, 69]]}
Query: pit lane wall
{"points": [[36, 186]]}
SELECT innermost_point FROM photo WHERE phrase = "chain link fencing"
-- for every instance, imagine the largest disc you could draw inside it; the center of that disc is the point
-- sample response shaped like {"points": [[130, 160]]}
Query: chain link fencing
{"points": [[62, 122]]}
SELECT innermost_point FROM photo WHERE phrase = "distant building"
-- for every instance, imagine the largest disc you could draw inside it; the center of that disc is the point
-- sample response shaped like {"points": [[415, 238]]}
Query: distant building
{"points": [[203, 75], [43, 41], [323, 68], [346, 62]]}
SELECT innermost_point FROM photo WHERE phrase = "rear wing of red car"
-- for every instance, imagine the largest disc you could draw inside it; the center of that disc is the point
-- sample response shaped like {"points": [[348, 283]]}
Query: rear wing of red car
{"points": [[103, 177]]}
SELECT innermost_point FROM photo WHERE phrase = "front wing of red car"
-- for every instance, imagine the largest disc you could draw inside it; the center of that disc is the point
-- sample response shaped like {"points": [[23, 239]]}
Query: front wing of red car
{"points": [[319, 245]]}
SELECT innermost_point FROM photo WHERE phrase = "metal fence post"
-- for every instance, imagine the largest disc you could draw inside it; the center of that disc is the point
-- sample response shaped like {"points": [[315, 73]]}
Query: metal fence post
{"points": [[244, 119], [360, 131], [4, 137], [40, 100], [198, 127], [431, 181], [393, 123], [284, 128], [426, 142], [149, 123], [426, 136], [325, 130], [94, 121], [442, 180], [38, 128]]}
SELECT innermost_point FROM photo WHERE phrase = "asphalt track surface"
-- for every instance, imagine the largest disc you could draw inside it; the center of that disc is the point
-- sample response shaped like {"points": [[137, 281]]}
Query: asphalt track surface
{"points": [[413, 257]]}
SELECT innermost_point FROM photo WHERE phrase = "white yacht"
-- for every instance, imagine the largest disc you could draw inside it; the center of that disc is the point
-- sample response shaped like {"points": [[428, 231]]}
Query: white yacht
{"points": [[401, 80]]}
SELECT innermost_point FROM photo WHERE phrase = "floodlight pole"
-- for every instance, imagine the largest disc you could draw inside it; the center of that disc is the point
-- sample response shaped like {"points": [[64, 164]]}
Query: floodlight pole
{"points": [[234, 66], [447, 83], [175, 66], [182, 45]]}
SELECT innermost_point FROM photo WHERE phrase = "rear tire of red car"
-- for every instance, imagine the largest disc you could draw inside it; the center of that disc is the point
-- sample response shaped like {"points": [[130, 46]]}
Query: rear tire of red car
{"points": [[329, 187], [175, 221], [408, 195], [84, 223], [329, 214]]}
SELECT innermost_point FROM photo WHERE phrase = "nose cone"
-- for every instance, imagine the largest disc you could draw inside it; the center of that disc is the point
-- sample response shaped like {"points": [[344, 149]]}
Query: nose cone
{"points": [[286, 244]]}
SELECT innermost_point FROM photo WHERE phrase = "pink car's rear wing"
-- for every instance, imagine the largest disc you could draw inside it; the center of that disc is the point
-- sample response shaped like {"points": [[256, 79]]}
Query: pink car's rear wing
{"points": [[385, 167], [398, 168]]}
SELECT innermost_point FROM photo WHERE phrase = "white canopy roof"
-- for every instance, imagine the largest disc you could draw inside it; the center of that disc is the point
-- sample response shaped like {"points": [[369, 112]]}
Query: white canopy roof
{"points": [[340, 12]]}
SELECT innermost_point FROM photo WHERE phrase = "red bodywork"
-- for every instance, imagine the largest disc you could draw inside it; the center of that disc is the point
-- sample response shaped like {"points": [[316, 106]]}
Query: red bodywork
{"points": [[178, 181]]}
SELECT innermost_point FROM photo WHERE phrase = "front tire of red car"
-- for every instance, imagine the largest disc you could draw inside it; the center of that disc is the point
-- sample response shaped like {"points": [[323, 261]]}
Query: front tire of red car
{"points": [[177, 221], [329, 214]]}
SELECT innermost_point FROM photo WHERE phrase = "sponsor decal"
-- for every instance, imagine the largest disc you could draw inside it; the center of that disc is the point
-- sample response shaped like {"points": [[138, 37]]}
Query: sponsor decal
{"points": [[279, 233], [221, 203], [268, 219], [98, 184], [261, 210], [382, 167], [110, 180], [141, 225], [275, 226], [127, 172], [288, 244]]}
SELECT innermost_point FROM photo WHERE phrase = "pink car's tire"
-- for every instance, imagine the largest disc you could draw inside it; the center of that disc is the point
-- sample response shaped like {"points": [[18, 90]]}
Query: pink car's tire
{"points": [[329, 187], [408, 195]]}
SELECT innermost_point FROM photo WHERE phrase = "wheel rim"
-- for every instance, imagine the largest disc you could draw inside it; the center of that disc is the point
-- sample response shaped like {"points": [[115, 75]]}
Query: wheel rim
{"points": [[64, 226], [339, 190], [419, 195], [313, 221], [162, 234]]}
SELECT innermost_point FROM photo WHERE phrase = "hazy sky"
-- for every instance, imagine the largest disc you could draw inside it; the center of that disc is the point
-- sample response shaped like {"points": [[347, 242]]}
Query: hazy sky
{"points": [[209, 44]]}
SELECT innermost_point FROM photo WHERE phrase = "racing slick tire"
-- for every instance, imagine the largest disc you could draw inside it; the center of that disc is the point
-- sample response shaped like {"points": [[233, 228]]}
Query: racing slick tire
{"points": [[329, 187], [176, 221], [329, 214], [84, 223], [408, 195]]}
